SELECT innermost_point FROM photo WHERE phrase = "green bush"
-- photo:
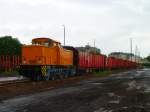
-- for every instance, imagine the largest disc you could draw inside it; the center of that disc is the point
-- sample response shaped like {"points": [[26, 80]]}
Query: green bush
{"points": [[146, 65]]}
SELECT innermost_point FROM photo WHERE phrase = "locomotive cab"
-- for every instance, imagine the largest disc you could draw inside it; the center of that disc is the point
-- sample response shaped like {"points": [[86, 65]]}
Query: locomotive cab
{"points": [[45, 42]]}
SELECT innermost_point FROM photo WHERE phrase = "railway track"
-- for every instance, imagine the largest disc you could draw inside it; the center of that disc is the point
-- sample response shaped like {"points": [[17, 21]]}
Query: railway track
{"points": [[13, 82]]}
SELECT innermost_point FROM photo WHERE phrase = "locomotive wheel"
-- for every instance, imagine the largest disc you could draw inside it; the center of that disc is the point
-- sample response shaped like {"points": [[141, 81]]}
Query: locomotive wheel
{"points": [[35, 78], [53, 78], [47, 78], [38, 77]]}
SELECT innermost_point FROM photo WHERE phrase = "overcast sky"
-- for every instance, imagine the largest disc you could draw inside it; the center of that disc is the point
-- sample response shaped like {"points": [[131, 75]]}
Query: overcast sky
{"points": [[110, 22]]}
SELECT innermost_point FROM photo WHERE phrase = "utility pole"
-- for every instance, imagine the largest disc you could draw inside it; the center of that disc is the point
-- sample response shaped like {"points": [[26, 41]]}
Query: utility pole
{"points": [[94, 46], [136, 53], [131, 47], [64, 34], [139, 55]]}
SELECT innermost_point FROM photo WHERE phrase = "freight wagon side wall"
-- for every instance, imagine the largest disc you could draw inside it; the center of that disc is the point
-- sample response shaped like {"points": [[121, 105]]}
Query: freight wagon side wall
{"points": [[86, 60], [91, 61], [9, 63], [114, 63]]}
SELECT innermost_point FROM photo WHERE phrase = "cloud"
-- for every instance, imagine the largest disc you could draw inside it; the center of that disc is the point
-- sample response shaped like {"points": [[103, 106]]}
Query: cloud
{"points": [[110, 22]]}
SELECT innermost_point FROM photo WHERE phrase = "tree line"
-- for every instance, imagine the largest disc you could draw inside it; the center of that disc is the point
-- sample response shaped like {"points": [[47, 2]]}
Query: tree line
{"points": [[10, 46]]}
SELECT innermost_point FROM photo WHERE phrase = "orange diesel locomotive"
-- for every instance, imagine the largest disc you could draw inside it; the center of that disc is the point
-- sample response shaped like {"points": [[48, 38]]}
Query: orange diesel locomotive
{"points": [[46, 59]]}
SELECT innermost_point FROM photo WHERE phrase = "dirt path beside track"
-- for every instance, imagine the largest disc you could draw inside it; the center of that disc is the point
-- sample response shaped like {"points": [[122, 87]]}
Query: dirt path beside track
{"points": [[122, 92]]}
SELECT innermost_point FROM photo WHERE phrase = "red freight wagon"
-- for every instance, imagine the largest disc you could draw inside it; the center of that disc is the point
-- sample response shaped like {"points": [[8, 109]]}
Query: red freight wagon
{"points": [[110, 61], [114, 63], [91, 61], [85, 60], [102, 61]]}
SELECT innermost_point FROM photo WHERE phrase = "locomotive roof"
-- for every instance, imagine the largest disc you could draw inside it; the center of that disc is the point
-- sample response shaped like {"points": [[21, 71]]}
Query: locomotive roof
{"points": [[43, 39]]}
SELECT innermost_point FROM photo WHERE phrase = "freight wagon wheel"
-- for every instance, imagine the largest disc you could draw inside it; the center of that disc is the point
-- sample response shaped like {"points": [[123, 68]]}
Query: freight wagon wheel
{"points": [[61, 76], [65, 75]]}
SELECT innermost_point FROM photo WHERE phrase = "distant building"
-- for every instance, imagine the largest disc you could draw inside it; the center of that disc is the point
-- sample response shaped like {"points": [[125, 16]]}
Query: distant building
{"points": [[89, 49], [126, 56]]}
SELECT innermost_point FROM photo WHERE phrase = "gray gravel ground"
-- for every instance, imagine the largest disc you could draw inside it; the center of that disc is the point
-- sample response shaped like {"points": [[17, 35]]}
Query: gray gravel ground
{"points": [[123, 92]]}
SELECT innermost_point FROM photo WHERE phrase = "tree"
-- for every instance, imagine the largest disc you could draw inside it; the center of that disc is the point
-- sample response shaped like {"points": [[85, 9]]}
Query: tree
{"points": [[148, 58], [10, 46]]}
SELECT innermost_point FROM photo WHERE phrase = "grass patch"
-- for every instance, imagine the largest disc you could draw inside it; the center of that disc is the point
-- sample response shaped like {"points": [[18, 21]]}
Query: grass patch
{"points": [[107, 72], [102, 73], [9, 74]]}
